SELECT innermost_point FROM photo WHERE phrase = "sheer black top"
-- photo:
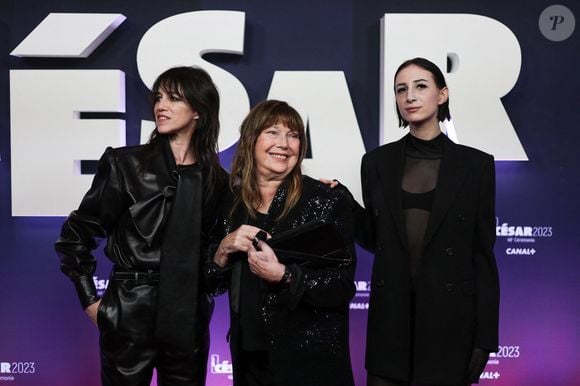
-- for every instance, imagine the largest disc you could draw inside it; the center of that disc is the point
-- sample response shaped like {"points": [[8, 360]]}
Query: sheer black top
{"points": [[422, 162]]}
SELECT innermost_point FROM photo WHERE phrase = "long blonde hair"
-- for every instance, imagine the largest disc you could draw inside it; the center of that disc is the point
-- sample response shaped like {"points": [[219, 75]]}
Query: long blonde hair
{"points": [[243, 178]]}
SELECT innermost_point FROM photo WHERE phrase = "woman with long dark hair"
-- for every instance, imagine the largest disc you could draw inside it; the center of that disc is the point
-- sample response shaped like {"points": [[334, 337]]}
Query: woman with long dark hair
{"points": [[155, 204]]}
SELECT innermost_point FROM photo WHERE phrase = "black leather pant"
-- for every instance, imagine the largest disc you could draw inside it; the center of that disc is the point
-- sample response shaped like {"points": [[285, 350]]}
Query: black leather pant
{"points": [[129, 350]]}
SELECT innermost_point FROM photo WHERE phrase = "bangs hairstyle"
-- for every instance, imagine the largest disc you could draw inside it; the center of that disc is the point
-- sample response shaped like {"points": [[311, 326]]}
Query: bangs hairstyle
{"points": [[443, 110], [243, 178], [197, 89]]}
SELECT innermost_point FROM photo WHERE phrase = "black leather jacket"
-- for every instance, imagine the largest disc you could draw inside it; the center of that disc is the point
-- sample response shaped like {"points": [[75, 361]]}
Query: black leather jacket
{"points": [[128, 203], [306, 324]]}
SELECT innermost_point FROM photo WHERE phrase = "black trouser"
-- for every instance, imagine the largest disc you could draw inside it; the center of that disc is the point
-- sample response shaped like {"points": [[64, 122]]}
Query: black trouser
{"points": [[373, 380], [254, 369], [129, 350]]}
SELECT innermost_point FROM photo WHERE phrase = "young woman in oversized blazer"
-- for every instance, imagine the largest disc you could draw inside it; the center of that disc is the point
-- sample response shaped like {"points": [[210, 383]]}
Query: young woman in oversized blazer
{"points": [[429, 219]]}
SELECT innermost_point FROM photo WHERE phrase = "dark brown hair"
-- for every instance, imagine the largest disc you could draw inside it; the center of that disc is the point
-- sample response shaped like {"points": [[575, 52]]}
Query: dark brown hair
{"points": [[196, 87], [443, 111]]}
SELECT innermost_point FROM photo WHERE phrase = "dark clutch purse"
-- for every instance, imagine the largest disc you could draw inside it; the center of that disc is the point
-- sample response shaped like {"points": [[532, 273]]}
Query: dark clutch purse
{"points": [[316, 244]]}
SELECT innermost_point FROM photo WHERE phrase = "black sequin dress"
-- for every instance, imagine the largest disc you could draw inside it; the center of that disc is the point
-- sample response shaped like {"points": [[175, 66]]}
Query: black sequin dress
{"points": [[305, 324]]}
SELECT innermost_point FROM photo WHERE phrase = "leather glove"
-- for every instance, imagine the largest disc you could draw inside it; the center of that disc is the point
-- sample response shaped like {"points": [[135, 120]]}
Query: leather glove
{"points": [[477, 363]]}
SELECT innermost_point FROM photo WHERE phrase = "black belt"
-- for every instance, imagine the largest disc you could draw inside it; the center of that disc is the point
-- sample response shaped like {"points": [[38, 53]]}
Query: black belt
{"points": [[146, 277]]}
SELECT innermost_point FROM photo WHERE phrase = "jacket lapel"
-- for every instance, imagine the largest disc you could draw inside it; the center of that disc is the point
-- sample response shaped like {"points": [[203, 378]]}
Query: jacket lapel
{"points": [[276, 208], [391, 176], [451, 176]]}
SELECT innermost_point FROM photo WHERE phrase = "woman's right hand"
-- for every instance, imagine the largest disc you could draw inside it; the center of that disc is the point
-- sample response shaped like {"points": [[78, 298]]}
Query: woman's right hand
{"points": [[332, 183], [239, 240], [92, 311]]}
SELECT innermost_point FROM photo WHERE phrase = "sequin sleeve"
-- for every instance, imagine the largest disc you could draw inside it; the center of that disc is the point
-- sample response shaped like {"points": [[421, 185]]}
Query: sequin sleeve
{"points": [[216, 278], [330, 286]]}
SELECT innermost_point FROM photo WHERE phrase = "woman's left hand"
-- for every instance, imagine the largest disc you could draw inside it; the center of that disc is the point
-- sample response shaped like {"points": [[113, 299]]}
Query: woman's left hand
{"points": [[477, 364], [264, 263]]}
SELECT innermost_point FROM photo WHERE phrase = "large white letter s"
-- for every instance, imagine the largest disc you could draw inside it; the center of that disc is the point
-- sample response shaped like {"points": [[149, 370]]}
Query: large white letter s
{"points": [[182, 40]]}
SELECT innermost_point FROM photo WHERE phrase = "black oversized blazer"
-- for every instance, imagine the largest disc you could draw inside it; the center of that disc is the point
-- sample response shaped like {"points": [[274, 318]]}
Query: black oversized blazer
{"points": [[457, 300]]}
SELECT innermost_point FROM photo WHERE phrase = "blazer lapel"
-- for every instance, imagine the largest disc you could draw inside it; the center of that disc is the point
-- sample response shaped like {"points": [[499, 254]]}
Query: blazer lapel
{"points": [[276, 208], [451, 176], [391, 176]]}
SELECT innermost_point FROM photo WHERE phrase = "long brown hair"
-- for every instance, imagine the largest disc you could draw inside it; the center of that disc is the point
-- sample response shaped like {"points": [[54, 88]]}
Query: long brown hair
{"points": [[243, 178]]}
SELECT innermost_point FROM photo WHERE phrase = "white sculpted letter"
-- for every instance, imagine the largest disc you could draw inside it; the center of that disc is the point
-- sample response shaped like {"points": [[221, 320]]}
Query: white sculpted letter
{"points": [[182, 40], [48, 140], [323, 100]]}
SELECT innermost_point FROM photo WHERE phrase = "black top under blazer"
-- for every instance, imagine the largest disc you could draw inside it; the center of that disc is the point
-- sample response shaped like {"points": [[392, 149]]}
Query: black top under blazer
{"points": [[457, 298]]}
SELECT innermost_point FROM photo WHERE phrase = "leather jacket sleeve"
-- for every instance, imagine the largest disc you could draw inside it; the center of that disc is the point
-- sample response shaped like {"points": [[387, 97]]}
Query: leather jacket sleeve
{"points": [[87, 226]]}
